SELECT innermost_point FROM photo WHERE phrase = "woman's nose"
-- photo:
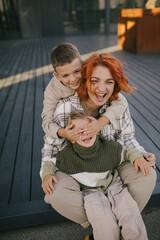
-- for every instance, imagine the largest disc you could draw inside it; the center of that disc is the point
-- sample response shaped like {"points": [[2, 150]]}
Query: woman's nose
{"points": [[101, 87]]}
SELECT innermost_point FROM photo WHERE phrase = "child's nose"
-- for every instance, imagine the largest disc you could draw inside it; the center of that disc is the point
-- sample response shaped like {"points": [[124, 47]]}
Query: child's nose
{"points": [[84, 133], [72, 78]]}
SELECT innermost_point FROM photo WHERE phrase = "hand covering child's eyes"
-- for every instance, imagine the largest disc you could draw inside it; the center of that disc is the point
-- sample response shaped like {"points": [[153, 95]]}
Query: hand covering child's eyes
{"points": [[91, 128]]}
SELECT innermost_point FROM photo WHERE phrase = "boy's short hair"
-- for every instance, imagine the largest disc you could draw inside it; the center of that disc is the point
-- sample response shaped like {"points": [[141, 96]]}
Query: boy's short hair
{"points": [[77, 115], [64, 53]]}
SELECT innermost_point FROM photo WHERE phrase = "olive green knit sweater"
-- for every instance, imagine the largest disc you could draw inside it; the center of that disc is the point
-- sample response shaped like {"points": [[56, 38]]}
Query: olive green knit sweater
{"points": [[100, 157], [93, 166]]}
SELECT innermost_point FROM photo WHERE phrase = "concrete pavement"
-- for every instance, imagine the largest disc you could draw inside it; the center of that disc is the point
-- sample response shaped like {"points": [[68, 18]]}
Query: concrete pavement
{"points": [[72, 231]]}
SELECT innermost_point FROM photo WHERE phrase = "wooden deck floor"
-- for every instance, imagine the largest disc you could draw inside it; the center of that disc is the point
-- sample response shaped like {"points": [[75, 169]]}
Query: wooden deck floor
{"points": [[25, 71]]}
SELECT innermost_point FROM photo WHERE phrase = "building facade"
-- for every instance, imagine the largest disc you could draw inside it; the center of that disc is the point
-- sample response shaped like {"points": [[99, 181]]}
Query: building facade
{"points": [[47, 18]]}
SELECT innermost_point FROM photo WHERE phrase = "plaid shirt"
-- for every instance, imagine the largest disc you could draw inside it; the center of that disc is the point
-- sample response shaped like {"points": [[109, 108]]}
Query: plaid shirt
{"points": [[121, 130]]}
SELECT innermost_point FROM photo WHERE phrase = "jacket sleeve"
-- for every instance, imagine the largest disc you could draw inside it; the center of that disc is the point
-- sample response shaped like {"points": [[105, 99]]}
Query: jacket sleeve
{"points": [[47, 168], [117, 108], [49, 151], [129, 132], [130, 154], [51, 98]]}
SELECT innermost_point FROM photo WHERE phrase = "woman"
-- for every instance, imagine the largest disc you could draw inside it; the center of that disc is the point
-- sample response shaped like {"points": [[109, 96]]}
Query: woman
{"points": [[102, 80]]}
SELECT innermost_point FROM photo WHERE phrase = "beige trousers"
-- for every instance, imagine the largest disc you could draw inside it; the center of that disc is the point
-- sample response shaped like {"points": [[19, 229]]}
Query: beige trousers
{"points": [[114, 215], [67, 198]]}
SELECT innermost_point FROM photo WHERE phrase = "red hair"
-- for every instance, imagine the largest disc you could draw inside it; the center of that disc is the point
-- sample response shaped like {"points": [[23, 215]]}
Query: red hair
{"points": [[115, 67]]}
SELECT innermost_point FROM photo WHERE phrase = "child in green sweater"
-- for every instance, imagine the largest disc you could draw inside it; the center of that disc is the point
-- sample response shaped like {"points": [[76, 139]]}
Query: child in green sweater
{"points": [[92, 161], [67, 63]]}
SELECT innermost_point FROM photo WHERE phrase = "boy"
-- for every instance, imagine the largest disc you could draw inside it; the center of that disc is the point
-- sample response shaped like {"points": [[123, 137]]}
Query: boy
{"points": [[92, 162], [66, 61]]}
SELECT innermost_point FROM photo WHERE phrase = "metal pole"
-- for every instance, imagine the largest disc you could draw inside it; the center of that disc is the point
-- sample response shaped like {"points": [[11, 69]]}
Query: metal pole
{"points": [[84, 17], [107, 25]]}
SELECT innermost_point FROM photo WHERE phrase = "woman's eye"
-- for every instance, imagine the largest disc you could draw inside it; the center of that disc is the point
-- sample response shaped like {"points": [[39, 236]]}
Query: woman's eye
{"points": [[109, 82], [94, 81]]}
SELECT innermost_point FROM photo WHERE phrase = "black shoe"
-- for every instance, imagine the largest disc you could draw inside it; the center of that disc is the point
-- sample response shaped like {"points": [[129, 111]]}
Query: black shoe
{"points": [[89, 237]]}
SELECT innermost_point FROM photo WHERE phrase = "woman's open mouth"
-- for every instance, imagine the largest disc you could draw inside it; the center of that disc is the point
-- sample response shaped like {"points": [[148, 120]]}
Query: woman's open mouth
{"points": [[100, 97]]}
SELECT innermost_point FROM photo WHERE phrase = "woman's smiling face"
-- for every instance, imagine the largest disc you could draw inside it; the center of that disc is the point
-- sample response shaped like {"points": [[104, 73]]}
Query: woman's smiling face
{"points": [[100, 86]]}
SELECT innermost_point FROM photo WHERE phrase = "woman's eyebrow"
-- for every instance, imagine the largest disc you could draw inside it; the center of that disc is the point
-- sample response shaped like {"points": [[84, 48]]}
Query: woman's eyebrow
{"points": [[108, 79], [95, 77]]}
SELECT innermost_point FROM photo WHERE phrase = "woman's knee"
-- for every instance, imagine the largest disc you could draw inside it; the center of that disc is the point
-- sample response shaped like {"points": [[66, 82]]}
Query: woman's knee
{"points": [[67, 199], [152, 177], [139, 186], [64, 187], [129, 175]]}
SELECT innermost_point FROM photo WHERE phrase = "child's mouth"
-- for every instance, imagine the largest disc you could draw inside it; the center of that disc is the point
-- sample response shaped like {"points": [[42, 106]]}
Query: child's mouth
{"points": [[75, 83], [88, 139]]}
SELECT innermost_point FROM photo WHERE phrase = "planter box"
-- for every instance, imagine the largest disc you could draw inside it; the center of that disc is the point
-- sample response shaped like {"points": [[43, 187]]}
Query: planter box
{"points": [[139, 30]]}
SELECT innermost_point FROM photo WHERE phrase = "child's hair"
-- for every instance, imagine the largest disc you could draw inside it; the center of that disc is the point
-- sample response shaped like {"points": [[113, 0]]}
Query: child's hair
{"points": [[64, 53], [77, 115], [115, 67]]}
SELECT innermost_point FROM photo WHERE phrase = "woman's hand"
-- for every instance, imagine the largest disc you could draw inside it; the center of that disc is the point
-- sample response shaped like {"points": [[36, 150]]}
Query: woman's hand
{"points": [[92, 128], [47, 184], [143, 165], [150, 157], [70, 132]]}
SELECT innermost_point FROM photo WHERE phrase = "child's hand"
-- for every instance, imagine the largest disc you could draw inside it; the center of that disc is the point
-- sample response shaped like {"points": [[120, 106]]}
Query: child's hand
{"points": [[47, 184], [150, 157], [143, 165], [72, 133], [92, 128]]}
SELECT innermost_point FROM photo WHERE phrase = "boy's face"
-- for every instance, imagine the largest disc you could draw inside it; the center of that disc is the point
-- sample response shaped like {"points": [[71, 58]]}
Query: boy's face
{"points": [[84, 140], [70, 74]]}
